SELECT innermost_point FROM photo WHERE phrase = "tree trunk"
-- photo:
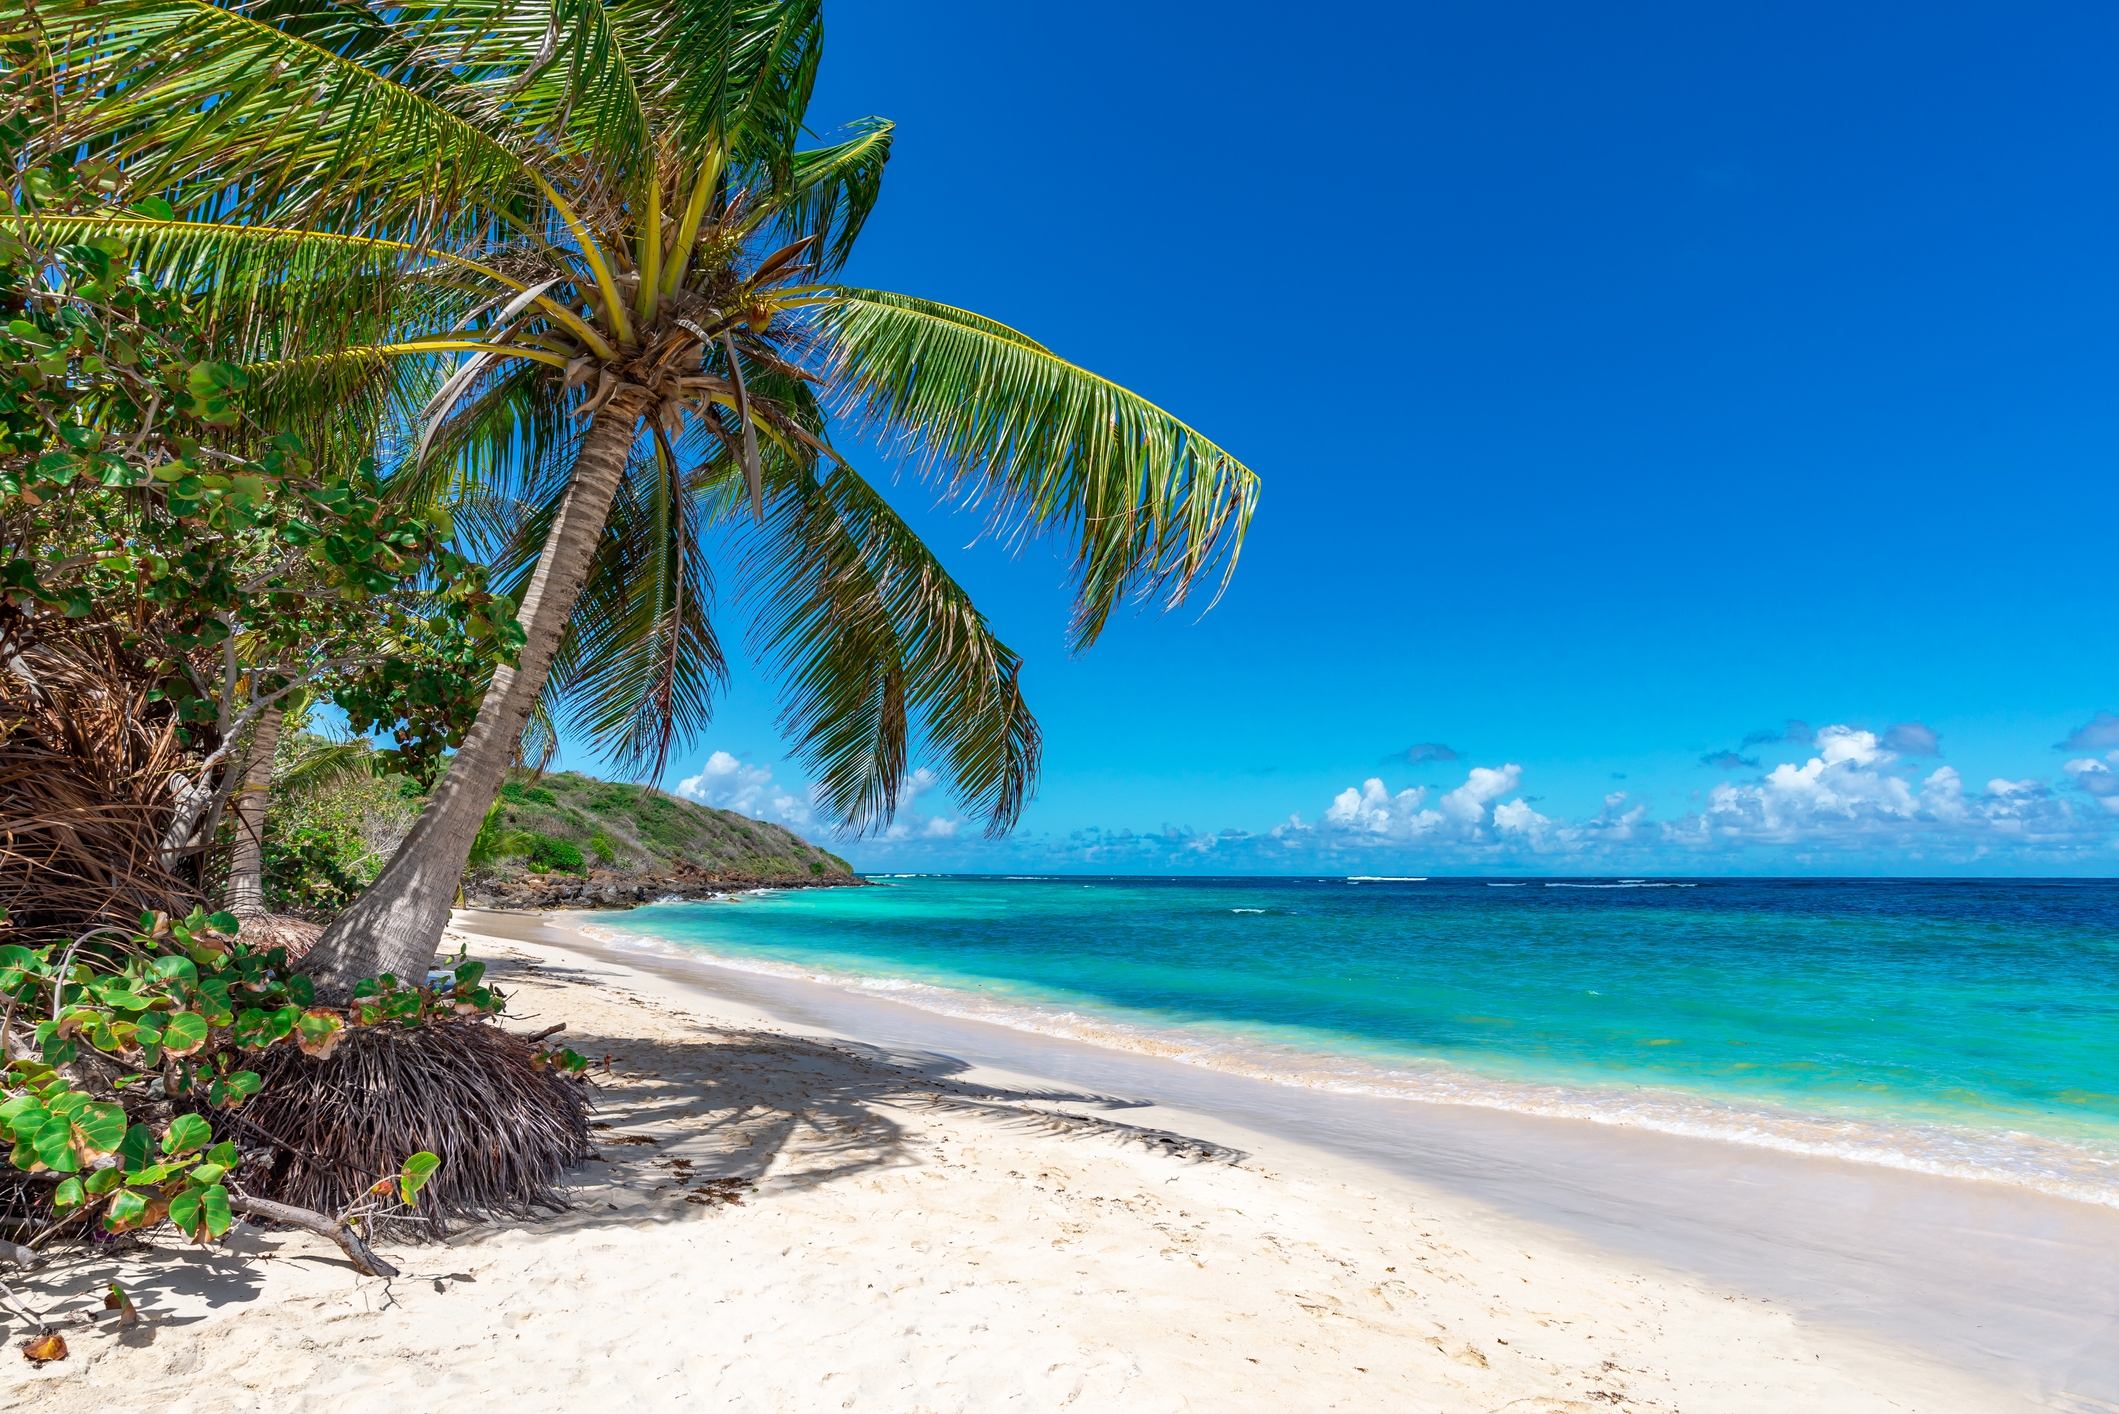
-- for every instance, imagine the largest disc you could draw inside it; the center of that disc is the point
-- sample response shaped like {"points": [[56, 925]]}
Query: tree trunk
{"points": [[246, 871], [396, 923]]}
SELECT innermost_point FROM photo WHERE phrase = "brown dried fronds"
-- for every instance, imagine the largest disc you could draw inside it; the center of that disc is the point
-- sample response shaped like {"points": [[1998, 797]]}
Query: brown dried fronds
{"points": [[506, 1131]]}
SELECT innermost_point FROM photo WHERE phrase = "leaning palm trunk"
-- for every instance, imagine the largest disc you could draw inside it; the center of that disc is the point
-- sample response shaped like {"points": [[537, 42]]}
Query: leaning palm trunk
{"points": [[246, 868], [396, 923]]}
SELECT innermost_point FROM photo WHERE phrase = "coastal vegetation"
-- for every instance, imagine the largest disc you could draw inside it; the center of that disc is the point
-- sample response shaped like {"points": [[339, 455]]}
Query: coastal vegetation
{"points": [[420, 368]]}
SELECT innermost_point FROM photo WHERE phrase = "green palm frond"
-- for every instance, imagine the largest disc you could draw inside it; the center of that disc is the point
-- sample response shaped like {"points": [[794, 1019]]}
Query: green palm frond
{"points": [[554, 72], [327, 116], [738, 72], [326, 764], [640, 664], [1150, 503], [871, 634], [831, 190]]}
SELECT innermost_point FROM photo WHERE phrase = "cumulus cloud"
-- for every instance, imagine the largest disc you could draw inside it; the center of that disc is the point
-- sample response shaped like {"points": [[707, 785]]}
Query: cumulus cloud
{"points": [[729, 784], [2097, 734], [1373, 810], [1913, 739], [1467, 803], [910, 824], [1845, 796], [1422, 752], [1729, 761], [1848, 792], [2098, 779]]}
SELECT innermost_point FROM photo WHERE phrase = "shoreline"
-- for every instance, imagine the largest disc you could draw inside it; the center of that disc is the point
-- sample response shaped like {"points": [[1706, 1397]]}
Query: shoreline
{"points": [[1939, 1145], [791, 1214]]}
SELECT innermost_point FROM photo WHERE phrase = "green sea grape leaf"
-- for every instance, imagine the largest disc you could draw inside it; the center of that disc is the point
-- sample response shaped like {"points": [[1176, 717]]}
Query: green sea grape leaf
{"points": [[230, 1090], [55, 1146], [128, 1210], [137, 1147], [417, 1170], [319, 1032], [26, 1112], [98, 1130], [184, 1032], [173, 968], [213, 1203], [186, 1132]]}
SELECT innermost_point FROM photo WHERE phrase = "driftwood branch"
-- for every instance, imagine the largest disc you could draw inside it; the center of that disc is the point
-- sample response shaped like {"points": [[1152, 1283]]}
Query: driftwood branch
{"points": [[348, 1240]]}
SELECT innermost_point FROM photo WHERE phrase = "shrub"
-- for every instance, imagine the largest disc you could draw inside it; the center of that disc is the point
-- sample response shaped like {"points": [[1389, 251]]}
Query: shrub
{"points": [[307, 873], [548, 853]]}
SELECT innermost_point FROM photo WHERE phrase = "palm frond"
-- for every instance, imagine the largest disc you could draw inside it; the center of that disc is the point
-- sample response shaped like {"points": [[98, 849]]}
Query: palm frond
{"points": [[1150, 503], [324, 765], [872, 635], [322, 115], [831, 190]]}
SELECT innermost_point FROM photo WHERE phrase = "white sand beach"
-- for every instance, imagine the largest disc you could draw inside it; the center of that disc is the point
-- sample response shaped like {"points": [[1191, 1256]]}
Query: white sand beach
{"points": [[786, 1220]]}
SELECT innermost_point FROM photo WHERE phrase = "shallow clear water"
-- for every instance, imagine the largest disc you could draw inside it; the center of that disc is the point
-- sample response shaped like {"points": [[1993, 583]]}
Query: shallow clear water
{"points": [[1957, 1027]]}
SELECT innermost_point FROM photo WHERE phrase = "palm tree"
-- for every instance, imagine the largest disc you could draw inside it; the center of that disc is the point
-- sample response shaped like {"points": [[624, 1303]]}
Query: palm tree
{"points": [[490, 222]]}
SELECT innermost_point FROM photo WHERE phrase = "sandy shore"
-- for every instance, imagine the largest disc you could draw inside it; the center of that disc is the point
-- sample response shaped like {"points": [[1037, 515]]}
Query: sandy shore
{"points": [[784, 1220]]}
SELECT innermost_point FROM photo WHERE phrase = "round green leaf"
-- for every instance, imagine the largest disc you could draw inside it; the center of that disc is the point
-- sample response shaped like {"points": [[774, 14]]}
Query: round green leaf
{"points": [[127, 1210], [184, 1032], [186, 1132], [213, 1204], [418, 1169], [55, 1146], [99, 1129]]}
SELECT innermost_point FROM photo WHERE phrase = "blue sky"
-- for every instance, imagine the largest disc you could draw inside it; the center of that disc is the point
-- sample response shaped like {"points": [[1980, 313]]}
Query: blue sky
{"points": [[1626, 383]]}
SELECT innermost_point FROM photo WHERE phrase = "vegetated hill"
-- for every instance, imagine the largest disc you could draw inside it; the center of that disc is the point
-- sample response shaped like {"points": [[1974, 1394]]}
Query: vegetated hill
{"points": [[573, 838]]}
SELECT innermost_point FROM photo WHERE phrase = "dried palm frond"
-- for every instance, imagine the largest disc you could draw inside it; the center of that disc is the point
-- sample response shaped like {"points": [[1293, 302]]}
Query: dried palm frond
{"points": [[85, 766], [506, 1131]]}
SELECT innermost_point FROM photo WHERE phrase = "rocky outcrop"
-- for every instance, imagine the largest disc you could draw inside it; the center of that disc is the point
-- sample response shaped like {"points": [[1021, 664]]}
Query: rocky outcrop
{"points": [[607, 888]]}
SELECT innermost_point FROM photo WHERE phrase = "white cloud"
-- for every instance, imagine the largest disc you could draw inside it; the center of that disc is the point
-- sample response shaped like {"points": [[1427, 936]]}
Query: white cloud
{"points": [[729, 784], [1467, 803], [2098, 779], [1373, 810], [1852, 793]]}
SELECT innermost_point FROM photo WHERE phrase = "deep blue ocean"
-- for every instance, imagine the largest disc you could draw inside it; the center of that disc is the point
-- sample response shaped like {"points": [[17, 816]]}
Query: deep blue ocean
{"points": [[1955, 1027]]}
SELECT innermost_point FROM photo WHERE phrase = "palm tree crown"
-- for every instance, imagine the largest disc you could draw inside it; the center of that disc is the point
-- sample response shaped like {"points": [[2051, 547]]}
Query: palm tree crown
{"points": [[571, 248]]}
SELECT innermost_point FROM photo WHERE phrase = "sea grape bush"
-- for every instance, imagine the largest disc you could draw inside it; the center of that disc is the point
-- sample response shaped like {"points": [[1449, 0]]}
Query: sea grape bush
{"points": [[164, 1017], [229, 564]]}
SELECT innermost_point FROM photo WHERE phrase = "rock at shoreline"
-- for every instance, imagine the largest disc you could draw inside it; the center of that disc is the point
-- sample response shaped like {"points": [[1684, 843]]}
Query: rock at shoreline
{"points": [[605, 888]]}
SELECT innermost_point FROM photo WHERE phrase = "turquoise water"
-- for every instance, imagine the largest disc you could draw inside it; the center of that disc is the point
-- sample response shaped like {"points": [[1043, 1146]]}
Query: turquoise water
{"points": [[1966, 1028]]}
